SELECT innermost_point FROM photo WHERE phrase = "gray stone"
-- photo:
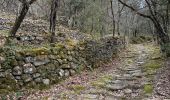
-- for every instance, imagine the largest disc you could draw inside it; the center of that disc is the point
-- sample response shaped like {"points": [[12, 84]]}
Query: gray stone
{"points": [[26, 78], [128, 91], [140, 63], [117, 85], [46, 81], [17, 71], [2, 59], [29, 68], [38, 80], [20, 82], [61, 72], [111, 98], [43, 62], [65, 66], [134, 71], [127, 77], [89, 96], [24, 38], [8, 73], [52, 57], [67, 73], [70, 58], [137, 74], [56, 63], [74, 66], [2, 74], [36, 75], [29, 59], [60, 61], [39, 38], [72, 72], [18, 77]]}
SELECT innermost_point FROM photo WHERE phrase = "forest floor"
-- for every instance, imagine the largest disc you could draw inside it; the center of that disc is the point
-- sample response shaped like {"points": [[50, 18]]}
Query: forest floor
{"points": [[131, 76], [137, 73]]}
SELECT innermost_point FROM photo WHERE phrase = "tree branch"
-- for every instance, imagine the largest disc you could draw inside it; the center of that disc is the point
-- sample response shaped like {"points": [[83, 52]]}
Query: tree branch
{"points": [[135, 10], [32, 1]]}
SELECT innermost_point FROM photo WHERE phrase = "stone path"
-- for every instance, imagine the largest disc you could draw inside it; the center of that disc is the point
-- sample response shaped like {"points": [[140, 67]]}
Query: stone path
{"points": [[125, 83]]}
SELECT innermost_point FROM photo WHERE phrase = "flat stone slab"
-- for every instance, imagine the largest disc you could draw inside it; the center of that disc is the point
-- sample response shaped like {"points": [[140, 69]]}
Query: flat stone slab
{"points": [[89, 96], [117, 85]]}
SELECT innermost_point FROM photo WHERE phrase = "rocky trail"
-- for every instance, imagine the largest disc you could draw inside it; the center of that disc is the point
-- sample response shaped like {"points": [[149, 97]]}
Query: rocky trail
{"points": [[123, 79]]}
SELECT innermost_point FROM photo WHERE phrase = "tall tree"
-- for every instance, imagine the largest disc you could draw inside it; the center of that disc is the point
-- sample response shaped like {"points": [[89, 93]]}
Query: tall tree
{"points": [[113, 17], [54, 7], [25, 7], [153, 16]]}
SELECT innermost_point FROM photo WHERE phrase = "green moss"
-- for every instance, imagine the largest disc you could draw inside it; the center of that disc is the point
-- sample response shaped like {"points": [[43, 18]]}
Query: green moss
{"points": [[106, 78], [59, 46], [46, 98], [153, 64], [8, 85], [36, 51], [98, 84], [38, 86], [4, 91], [148, 88], [129, 61], [71, 42], [77, 88], [4, 32]]}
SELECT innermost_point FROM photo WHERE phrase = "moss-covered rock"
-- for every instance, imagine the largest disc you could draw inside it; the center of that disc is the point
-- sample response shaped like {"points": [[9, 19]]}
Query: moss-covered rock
{"points": [[35, 51]]}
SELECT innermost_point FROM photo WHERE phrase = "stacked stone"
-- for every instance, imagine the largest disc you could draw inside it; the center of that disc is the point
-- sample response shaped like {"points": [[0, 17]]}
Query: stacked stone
{"points": [[50, 65]]}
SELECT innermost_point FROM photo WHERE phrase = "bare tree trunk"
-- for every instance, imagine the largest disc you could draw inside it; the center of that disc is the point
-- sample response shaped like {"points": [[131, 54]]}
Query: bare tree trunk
{"points": [[119, 16], [20, 18], [92, 25], [113, 17], [53, 13]]}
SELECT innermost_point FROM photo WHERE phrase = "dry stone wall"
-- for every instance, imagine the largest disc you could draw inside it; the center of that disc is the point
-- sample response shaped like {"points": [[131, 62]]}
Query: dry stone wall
{"points": [[49, 65]]}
